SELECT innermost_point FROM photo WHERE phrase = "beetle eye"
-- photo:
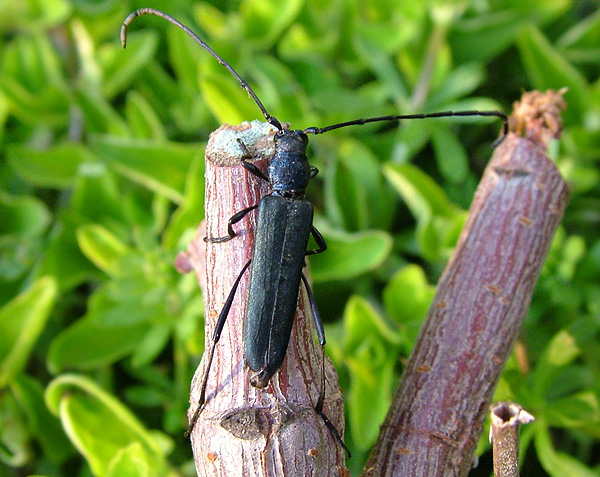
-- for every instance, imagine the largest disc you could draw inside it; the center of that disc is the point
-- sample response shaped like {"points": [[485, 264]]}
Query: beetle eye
{"points": [[280, 133]]}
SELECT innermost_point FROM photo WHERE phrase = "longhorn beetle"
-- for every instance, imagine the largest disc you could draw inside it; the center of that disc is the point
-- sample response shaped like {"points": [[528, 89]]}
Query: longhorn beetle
{"points": [[284, 226]]}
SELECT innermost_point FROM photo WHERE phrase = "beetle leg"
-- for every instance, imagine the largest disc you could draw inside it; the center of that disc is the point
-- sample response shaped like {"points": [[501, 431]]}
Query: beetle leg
{"points": [[235, 218], [215, 339], [321, 337], [251, 168], [315, 312], [320, 242]]}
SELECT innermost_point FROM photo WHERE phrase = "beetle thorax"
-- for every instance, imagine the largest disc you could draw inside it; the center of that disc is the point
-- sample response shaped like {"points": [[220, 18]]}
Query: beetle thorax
{"points": [[289, 171]]}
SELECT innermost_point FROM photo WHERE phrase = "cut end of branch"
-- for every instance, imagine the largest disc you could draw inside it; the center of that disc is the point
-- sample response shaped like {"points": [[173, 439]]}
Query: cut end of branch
{"points": [[506, 418], [537, 116], [224, 149], [508, 414]]}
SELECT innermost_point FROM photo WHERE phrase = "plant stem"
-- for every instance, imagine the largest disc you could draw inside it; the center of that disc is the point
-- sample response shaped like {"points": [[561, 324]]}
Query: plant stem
{"points": [[437, 414]]}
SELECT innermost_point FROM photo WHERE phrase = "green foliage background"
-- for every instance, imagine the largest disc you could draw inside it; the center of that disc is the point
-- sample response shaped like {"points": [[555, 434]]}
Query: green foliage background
{"points": [[101, 184]]}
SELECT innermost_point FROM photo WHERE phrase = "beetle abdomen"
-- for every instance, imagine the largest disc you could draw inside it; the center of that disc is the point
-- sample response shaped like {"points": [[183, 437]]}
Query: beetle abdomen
{"points": [[282, 234]]}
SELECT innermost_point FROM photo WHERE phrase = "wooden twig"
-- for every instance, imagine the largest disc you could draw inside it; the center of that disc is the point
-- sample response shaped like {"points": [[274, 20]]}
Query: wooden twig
{"points": [[244, 431], [506, 418], [482, 298]]}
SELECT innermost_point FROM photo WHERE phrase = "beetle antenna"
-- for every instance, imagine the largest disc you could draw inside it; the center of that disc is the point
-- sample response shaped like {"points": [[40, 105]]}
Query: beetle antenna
{"points": [[151, 11], [442, 114]]}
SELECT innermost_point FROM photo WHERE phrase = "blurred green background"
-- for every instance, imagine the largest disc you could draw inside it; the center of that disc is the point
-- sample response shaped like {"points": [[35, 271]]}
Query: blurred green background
{"points": [[101, 184]]}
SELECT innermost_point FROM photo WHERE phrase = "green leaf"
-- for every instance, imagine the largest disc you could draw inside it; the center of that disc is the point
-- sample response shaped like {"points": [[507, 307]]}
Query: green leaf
{"points": [[151, 345], [119, 319], [557, 464], [22, 215], [18, 255], [33, 81], [102, 428], [438, 220], [576, 410], [547, 69], [4, 112], [146, 396], [484, 36], [228, 102], [350, 255], [279, 87], [88, 344], [120, 67], [191, 212], [573, 252], [362, 321], [421, 194], [189, 327], [63, 259], [407, 298], [144, 122], [15, 450], [581, 40], [371, 357], [300, 41], [412, 137], [102, 247], [29, 394], [33, 14], [98, 115], [368, 399], [159, 166], [56, 167], [562, 350], [96, 196], [130, 461], [21, 322], [265, 20], [451, 155], [357, 197], [185, 57], [461, 81], [386, 71]]}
